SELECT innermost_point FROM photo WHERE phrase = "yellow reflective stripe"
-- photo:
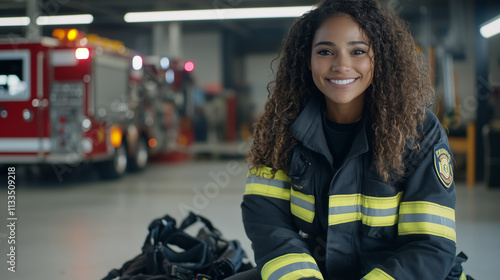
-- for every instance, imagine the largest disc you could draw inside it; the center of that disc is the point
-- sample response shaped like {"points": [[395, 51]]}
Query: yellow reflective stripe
{"points": [[367, 201], [383, 221], [265, 172], [344, 218], [261, 182], [422, 217], [377, 274], [424, 207], [381, 202], [371, 221], [372, 211], [302, 206], [305, 197], [266, 190], [344, 199], [463, 277], [291, 266], [427, 228]]}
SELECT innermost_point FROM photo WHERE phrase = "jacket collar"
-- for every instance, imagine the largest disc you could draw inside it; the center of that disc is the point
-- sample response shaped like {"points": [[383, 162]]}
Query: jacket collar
{"points": [[308, 129]]}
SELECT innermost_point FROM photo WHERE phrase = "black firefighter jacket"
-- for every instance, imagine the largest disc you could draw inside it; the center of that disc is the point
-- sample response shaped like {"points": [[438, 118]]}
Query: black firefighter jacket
{"points": [[346, 224]]}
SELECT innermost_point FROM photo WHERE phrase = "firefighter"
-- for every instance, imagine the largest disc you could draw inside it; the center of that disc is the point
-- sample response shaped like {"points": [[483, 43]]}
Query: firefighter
{"points": [[351, 175]]}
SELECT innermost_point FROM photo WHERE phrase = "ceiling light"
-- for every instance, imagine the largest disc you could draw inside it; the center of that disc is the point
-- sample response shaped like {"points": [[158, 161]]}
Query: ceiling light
{"points": [[490, 28], [218, 14], [63, 20], [14, 21]]}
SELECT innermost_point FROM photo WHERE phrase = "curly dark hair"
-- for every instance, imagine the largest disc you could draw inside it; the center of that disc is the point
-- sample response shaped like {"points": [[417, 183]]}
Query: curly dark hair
{"points": [[395, 101]]}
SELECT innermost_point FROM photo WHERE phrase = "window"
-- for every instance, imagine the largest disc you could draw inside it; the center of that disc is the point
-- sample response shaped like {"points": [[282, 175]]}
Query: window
{"points": [[14, 75]]}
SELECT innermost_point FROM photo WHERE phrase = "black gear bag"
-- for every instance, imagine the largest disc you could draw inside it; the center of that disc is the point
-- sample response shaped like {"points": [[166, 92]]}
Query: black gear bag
{"points": [[170, 253]]}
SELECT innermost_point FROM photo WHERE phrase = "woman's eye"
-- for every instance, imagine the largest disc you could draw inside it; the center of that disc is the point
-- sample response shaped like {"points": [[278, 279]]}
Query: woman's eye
{"points": [[324, 52], [358, 52]]}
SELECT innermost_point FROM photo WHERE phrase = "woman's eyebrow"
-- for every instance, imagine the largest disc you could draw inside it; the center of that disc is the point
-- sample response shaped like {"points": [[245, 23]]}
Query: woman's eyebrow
{"points": [[358, 43], [332, 44], [324, 43]]}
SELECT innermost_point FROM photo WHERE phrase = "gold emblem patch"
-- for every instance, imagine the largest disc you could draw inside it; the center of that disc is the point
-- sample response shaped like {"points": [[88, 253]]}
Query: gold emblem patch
{"points": [[442, 163]]}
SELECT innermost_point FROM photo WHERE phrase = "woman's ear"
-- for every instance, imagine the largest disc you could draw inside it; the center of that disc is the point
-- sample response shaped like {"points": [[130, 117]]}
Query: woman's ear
{"points": [[309, 63]]}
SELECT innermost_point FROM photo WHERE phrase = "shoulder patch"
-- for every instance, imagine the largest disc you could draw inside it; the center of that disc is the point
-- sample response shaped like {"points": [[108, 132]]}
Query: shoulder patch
{"points": [[443, 164]]}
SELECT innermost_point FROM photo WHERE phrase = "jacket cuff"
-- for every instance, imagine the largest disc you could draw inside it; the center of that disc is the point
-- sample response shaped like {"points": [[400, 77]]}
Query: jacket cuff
{"points": [[291, 266], [377, 274]]}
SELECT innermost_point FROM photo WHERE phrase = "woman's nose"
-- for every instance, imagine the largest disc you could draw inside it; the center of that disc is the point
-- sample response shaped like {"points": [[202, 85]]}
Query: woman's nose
{"points": [[341, 62]]}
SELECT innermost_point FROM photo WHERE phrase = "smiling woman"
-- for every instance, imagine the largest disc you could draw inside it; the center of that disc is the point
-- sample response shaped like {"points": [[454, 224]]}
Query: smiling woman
{"points": [[348, 164]]}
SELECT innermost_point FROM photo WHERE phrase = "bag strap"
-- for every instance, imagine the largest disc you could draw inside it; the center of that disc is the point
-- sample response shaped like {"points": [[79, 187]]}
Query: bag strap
{"points": [[160, 230], [235, 254], [112, 274], [195, 252], [133, 267], [193, 218]]}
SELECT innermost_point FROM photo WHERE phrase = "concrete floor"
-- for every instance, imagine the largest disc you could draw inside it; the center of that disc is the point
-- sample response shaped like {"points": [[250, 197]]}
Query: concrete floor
{"points": [[81, 228]]}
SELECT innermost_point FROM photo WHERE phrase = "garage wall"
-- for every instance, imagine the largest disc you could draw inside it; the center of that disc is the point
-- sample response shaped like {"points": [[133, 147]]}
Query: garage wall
{"points": [[205, 50], [494, 55], [465, 70], [258, 74]]}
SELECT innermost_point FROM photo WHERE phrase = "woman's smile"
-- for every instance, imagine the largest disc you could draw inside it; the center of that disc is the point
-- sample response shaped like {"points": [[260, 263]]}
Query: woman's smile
{"points": [[342, 82]]}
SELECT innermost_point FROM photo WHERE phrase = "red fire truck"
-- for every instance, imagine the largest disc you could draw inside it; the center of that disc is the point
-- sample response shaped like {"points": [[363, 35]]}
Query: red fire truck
{"points": [[79, 99]]}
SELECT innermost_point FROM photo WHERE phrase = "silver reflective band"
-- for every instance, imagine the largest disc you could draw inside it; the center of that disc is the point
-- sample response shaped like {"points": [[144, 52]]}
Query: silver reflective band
{"points": [[270, 182], [336, 210], [281, 272], [302, 203], [426, 218]]}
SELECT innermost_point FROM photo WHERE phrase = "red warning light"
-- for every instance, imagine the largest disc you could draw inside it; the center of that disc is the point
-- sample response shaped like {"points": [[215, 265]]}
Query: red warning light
{"points": [[189, 66]]}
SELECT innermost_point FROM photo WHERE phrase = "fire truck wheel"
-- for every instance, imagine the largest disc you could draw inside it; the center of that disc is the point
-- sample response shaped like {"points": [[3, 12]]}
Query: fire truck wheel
{"points": [[141, 156], [116, 167]]}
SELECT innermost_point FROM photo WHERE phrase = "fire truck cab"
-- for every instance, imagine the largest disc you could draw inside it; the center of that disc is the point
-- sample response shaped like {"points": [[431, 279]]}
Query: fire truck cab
{"points": [[76, 99]]}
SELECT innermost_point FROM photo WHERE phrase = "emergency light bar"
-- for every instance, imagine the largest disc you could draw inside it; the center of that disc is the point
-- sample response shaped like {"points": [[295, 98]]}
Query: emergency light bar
{"points": [[69, 35], [218, 14], [75, 37]]}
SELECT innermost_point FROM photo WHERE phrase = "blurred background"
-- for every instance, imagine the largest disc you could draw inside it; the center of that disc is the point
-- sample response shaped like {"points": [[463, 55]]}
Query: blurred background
{"points": [[111, 116]]}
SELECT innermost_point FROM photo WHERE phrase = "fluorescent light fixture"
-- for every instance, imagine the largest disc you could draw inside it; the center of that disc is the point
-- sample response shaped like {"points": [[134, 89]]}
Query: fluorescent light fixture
{"points": [[14, 21], [218, 14], [491, 27], [65, 20]]}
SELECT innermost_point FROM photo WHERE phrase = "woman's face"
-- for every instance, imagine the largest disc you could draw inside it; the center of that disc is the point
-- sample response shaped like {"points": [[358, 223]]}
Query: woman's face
{"points": [[342, 66]]}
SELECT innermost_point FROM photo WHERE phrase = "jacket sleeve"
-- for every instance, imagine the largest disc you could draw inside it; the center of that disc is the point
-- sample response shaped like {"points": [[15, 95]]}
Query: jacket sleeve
{"points": [[426, 221], [280, 252]]}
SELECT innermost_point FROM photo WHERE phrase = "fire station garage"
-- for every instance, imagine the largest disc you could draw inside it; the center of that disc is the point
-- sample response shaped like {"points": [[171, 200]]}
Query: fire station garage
{"points": [[129, 142]]}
